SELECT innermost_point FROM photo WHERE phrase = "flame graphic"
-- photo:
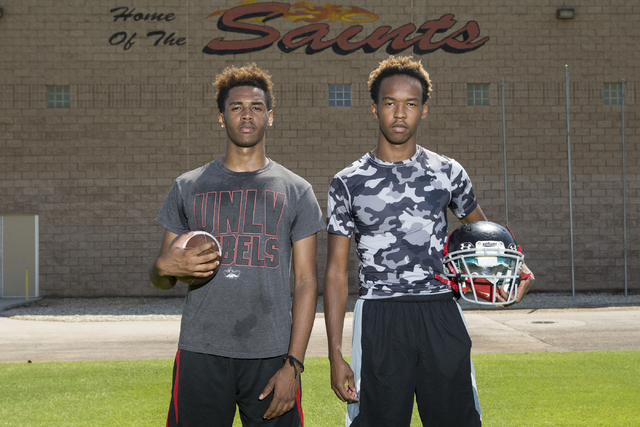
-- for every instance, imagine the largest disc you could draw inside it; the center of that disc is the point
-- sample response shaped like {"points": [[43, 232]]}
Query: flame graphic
{"points": [[310, 13]]}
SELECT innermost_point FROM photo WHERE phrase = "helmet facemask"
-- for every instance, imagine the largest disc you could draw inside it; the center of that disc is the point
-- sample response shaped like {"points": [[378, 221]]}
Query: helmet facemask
{"points": [[482, 268]]}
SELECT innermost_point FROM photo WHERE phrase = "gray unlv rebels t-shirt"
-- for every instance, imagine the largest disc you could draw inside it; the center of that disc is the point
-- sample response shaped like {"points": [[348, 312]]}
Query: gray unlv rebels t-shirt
{"points": [[245, 311]]}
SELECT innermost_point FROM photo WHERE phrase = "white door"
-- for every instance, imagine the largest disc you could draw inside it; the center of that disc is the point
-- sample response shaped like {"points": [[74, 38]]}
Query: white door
{"points": [[19, 255]]}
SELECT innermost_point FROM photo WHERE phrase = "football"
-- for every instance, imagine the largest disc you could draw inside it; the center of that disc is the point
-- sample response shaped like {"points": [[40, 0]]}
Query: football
{"points": [[200, 238]]}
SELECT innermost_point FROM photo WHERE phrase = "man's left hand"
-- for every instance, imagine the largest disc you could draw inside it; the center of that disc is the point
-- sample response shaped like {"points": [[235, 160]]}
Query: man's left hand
{"points": [[284, 385], [523, 288]]}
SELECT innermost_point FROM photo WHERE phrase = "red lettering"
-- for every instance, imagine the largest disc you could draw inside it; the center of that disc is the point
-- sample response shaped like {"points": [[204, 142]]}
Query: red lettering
{"points": [[470, 32], [397, 37], [243, 219], [430, 29], [312, 35], [343, 46], [229, 22]]}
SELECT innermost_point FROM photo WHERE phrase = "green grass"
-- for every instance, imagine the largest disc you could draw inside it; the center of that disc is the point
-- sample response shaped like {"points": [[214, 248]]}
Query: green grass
{"points": [[559, 389], [529, 390]]}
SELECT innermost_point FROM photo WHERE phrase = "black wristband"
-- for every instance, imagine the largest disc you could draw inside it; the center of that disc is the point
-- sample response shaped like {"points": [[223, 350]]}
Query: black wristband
{"points": [[293, 362]]}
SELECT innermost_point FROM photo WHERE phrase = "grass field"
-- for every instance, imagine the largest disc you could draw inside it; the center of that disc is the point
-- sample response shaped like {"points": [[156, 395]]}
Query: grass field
{"points": [[531, 389]]}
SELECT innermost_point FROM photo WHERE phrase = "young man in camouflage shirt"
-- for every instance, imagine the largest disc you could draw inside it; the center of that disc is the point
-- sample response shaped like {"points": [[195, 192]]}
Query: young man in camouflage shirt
{"points": [[409, 335]]}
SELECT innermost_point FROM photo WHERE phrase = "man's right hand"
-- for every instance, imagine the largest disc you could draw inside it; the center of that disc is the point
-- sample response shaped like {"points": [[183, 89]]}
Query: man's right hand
{"points": [[179, 262], [342, 381]]}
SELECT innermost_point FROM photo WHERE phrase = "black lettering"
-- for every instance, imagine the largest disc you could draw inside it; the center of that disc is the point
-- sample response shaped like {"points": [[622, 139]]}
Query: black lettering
{"points": [[229, 212], [117, 38], [250, 227], [209, 211], [121, 37], [244, 248], [228, 249], [255, 252], [272, 253], [273, 208], [157, 33], [124, 15], [199, 210], [129, 42], [169, 40], [204, 207]]}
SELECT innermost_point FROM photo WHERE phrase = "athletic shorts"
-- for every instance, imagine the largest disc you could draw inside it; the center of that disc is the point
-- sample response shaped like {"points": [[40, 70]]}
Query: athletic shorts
{"points": [[206, 390], [412, 346]]}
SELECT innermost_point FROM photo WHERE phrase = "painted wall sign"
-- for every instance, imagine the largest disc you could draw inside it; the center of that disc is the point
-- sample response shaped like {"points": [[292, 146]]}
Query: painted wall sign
{"points": [[250, 19], [128, 39]]}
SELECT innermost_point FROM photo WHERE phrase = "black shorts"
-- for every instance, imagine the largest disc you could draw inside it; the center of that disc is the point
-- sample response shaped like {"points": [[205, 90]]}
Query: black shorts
{"points": [[412, 346], [206, 390]]}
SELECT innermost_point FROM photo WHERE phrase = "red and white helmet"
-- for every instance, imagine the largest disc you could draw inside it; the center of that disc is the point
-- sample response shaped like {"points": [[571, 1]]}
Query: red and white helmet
{"points": [[481, 258]]}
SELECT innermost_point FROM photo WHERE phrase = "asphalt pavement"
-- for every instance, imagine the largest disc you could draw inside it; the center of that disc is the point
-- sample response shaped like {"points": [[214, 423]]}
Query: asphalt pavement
{"points": [[492, 331]]}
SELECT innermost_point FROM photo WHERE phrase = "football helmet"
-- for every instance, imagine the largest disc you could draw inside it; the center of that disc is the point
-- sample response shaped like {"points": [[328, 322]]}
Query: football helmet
{"points": [[481, 258]]}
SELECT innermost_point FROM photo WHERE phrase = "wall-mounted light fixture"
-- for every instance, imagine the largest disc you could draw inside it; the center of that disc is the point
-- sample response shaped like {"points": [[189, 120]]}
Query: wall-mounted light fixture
{"points": [[564, 13]]}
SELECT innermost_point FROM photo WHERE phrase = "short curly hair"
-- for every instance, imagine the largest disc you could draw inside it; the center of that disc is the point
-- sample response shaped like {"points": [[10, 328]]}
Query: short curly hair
{"points": [[402, 65], [248, 75]]}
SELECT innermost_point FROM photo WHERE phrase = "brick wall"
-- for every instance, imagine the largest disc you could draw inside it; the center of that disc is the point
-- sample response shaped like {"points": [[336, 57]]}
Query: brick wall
{"points": [[141, 115]]}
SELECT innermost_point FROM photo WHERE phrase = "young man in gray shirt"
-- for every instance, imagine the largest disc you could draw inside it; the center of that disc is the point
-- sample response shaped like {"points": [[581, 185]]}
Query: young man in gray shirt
{"points": [[242, 338]]}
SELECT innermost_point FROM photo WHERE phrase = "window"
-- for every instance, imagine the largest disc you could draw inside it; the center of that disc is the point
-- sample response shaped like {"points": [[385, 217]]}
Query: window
{"points": [[613, 94], [339, 95], [58, 97], [477, 94]]}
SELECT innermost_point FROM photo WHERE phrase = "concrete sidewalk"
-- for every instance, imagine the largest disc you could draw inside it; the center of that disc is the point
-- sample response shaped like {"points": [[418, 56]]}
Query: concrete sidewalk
{"points": [[537, 330]]}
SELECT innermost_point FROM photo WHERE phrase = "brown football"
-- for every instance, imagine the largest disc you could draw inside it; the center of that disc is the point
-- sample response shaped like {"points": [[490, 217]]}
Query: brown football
{"points": [[200, 238]]}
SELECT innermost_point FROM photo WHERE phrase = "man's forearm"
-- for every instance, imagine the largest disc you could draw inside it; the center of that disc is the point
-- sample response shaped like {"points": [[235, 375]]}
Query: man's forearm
{"points": [[303, 313], [335, 305]]}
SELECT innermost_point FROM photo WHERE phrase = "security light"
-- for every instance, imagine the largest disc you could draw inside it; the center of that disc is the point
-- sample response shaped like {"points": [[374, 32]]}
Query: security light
{"points": [[564, 13]]}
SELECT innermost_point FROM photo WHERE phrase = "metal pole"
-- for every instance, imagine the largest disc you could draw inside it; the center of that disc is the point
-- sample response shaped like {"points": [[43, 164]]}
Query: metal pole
{"points": [[504, 150], [573, 281], [624, 198], [188, 94]]}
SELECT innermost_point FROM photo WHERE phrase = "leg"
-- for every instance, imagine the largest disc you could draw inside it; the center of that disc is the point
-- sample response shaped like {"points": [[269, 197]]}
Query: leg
{"points": [[445, 391], [203, 392], [388, 366], [353, 409]]}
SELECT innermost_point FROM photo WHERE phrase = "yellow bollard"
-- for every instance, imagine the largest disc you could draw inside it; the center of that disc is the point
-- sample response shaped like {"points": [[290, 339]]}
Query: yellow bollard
{"points": [[26, 282]]}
